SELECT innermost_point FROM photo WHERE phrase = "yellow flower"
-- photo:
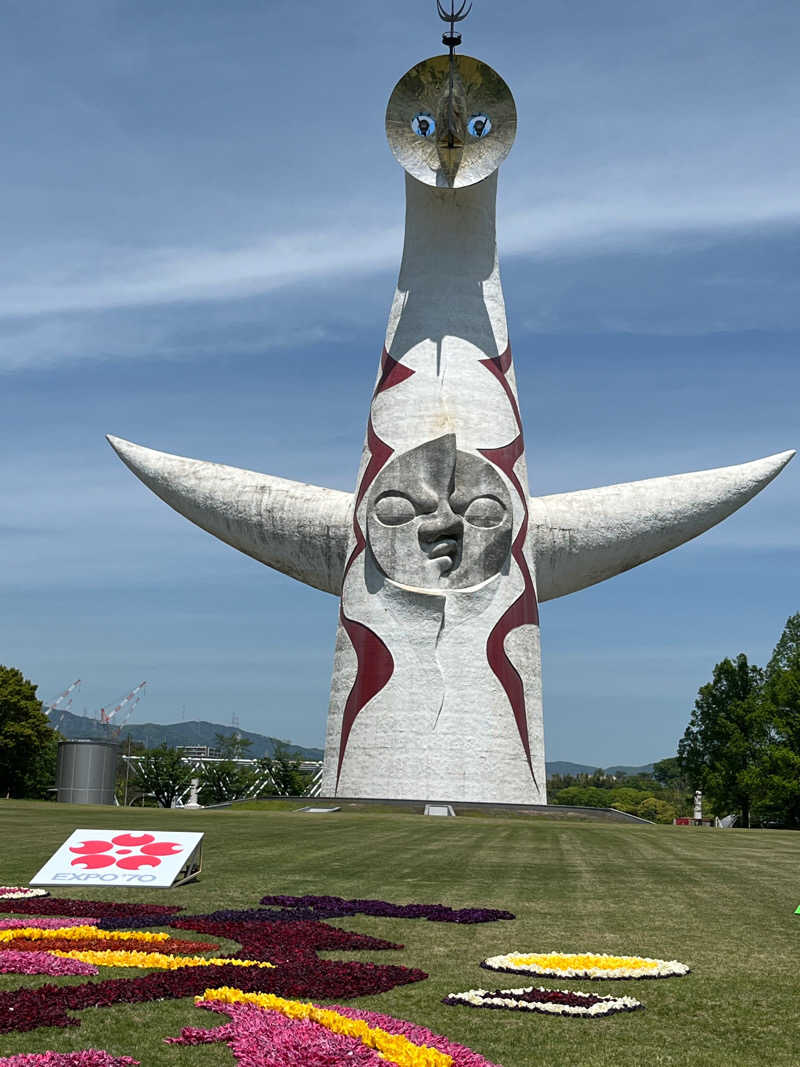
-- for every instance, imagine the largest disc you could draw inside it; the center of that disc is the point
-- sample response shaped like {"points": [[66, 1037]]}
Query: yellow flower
{"points": [[79, 933], [586, 965], [581, 961], [156, 960], [394, 1047]]}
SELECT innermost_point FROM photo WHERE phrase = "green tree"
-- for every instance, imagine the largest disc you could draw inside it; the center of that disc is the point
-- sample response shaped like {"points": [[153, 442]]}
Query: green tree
{"points": [[786, 654], [655, 809], [627, 799], [162, 772], [582, 796], [727, 738], [668, 773], [224, 779], [28, 743], [233, 746], [779, 769], [286, 778]]}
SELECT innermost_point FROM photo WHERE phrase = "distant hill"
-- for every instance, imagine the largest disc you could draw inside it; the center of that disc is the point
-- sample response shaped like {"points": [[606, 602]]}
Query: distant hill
{"points": [[153, 734], [563, 767], [646, 768]]}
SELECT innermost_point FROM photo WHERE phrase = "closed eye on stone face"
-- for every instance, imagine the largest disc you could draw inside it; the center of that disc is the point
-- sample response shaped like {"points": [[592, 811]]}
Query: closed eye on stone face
{"points": [[485, 512], [394, 509]]}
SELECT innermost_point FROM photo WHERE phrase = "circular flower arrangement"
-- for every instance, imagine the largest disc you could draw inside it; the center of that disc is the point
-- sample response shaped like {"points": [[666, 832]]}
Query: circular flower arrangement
{"points": [[584, 965], [21, 892], [545, 1001]]}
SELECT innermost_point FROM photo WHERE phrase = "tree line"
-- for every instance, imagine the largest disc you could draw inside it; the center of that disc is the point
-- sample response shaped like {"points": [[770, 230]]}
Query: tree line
{"points": [[161, 774], [29, 750], [660, 796]]}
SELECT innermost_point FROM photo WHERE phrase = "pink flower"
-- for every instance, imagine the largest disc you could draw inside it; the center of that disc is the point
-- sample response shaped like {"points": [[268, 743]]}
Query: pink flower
{"points": [[41, 963], [259, 1038], [90, 1057], [262, 1038]]}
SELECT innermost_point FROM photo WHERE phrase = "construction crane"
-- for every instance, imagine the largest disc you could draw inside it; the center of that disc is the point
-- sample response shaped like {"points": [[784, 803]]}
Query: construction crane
{"points": [[58, 704], [126, 705]]}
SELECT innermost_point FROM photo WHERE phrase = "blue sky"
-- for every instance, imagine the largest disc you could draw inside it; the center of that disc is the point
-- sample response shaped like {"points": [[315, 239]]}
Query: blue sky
{"points": [[202, 226]]}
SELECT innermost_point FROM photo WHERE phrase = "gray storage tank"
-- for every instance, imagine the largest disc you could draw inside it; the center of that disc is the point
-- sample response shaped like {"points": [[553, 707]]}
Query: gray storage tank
{"points": [[86, 772]]}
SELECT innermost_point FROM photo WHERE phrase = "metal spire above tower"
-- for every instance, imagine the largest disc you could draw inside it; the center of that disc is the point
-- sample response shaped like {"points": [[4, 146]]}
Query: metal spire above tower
{"points": [[452, 16]]}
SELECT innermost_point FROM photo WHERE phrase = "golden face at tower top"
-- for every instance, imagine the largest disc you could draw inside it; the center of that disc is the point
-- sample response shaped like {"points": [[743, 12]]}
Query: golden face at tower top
{"points": [[451, 127]]}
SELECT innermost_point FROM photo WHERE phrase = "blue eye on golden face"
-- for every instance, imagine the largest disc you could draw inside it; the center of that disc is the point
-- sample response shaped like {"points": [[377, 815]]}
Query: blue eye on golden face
{"points": [[479, 125], [423, 124]]}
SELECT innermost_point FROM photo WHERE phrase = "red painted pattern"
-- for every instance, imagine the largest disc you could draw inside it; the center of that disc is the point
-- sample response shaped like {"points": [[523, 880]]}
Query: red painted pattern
{"points": [[499, 366], [524, 610], [392, 373], [375, 662]]}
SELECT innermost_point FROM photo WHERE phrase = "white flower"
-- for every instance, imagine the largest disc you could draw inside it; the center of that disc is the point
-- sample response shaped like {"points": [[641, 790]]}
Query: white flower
{"points": [[513, 999], [20, 892]]}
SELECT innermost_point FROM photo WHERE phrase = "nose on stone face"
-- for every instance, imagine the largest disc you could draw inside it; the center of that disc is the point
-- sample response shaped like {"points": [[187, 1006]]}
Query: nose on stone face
{"points": [[443, 525]]}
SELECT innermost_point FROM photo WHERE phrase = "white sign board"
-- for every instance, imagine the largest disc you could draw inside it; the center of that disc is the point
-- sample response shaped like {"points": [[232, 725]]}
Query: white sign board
{"points": [[149, 858]]}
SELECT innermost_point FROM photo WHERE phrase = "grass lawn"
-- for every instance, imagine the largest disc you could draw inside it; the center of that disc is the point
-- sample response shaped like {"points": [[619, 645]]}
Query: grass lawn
{"points": [[720, 901]]}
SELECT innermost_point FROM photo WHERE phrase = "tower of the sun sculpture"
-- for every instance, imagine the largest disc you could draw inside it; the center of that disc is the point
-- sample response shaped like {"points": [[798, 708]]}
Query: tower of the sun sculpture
{"points": [[440, 556]]}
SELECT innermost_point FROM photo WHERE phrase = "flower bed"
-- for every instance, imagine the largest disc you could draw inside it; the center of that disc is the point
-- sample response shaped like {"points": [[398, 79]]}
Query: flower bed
{"points": [[20, 892], [584, 965], [283, 942], [48, 1005], [317, 907], [544, 1001], [89, 1057], [275, 1032], [125, 914], [278, 956]]}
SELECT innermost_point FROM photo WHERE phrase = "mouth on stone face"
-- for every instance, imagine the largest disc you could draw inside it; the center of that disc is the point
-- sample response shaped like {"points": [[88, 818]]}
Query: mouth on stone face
{"points": [[446, 550]]}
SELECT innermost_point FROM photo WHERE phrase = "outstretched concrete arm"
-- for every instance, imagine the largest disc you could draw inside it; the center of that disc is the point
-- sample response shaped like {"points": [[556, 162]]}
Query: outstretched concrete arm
{"points": [[300, 530], [579, 538], [585, 537]]}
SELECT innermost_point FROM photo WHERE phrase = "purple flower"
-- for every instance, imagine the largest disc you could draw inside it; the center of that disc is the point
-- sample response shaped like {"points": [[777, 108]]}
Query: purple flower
{"points": [[323, 907]]}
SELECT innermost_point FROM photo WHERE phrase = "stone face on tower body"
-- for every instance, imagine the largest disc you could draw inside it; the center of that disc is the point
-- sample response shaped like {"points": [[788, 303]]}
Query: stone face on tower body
{"points": [[436, 689]]}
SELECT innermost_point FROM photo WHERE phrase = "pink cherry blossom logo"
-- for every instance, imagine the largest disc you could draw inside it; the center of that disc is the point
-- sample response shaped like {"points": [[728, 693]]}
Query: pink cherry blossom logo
{"points": [[127, 851]]}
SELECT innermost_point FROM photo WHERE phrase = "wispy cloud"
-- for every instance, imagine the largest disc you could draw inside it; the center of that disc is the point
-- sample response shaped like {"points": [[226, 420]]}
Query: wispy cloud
{"points": [[198, 275], [180, 275], [602, 226]]}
